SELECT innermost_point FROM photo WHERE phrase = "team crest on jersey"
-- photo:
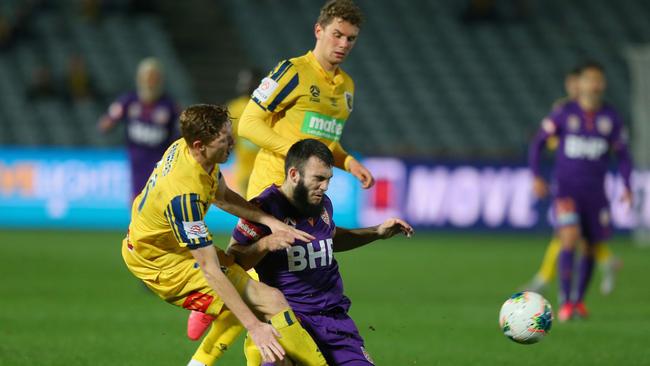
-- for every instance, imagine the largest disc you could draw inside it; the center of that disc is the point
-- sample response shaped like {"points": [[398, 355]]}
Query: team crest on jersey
{"points": [[348, 101], [325, 217], [604, 125], [367, 355], [134, 110], [289, 221], [161, 116], [573, 123]]}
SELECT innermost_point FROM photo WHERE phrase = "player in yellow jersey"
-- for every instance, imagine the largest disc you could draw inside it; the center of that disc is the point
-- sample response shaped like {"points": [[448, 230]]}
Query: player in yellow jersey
{"points": [[603, 255], [308, 96], [245, 151], [169, 247]]}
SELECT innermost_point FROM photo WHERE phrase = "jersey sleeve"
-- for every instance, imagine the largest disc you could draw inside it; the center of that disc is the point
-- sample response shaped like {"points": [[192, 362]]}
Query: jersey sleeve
{"points": [[279, 89], [248, 232], [549, 128], [185, 215], [117, 109]]}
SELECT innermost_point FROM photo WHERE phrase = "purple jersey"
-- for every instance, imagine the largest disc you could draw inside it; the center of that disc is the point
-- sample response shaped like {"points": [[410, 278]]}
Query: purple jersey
{"points": [[585, 142], [307, 273], [150, 128]]}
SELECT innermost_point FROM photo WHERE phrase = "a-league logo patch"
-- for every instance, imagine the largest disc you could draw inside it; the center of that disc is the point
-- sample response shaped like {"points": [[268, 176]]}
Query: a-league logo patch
{"points": [[195, 229], [265, 90]]}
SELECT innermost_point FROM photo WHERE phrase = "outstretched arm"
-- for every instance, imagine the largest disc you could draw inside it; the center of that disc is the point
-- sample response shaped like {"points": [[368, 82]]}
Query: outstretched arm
{"points": [[348, 239]]}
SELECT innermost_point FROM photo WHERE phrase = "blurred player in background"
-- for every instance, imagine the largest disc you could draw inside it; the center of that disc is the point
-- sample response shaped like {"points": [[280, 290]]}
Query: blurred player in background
{"points": [[604, 257], [307, 272], [588, 130], [308, 96], [245, 151], [169, 247], [150, 115]]}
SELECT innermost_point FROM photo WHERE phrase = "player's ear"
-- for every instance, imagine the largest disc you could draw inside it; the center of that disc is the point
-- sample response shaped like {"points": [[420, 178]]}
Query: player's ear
{"points": [[198, 145], [294, 174], [318, 30]]}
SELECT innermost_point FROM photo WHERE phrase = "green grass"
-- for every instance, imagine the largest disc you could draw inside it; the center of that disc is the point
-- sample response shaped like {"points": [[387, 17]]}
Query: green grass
{"points": [[66, 298]]}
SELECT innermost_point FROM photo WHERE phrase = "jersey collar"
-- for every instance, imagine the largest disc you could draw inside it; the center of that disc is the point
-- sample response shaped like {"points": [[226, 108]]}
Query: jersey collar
{"points": [[332, 78]]}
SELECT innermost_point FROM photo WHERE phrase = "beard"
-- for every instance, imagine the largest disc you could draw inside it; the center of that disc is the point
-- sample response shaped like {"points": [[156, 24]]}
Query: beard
{"points": [[301, 200]]}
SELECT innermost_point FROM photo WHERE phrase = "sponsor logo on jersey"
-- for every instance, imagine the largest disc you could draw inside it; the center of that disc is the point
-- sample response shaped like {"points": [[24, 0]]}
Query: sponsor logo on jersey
{"points": [[195, 229], [302, 257], [320, 125], [585, 147], [604, 125], [265, 89], [146, 133]]}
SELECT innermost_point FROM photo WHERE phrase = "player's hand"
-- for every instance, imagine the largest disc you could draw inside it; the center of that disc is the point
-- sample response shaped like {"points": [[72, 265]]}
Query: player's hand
{"points": [[277, 241], [277, 226], [265, 338], [105, 124], [627, 197], [394, 226], [540, 188], [361, 173]]}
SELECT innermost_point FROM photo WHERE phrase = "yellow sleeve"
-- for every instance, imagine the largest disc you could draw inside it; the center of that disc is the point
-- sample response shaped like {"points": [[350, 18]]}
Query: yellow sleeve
{"points": [[274, 94], [254, 125], [341, 157]]}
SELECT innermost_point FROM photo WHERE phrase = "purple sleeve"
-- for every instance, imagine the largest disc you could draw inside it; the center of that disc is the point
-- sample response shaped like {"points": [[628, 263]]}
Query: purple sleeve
{"points": [[548, 128], [117, 109], [620, 147]]}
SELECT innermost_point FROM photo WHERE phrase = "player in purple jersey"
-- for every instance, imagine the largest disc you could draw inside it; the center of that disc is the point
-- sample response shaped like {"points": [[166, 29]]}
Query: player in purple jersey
{"points": [[307, 273], [150, 116], [588, 130]]}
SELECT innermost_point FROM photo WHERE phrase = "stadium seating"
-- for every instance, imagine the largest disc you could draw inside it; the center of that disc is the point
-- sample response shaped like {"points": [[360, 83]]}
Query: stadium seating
{"points": [[451, 88], [111, 47]]}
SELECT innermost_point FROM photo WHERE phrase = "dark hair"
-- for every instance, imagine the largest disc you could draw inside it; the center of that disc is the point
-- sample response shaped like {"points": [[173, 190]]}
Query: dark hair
{"points": [[202, 122], [590, 65], [344, 9], [302, 150]]}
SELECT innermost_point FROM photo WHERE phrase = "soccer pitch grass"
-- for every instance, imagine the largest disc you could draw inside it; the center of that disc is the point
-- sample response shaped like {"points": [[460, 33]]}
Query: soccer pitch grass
{"points": [[67, 299]]}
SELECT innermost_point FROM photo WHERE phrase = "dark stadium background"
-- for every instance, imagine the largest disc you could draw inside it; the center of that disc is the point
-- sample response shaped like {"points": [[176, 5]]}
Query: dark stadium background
{"points": [[448, 95]]}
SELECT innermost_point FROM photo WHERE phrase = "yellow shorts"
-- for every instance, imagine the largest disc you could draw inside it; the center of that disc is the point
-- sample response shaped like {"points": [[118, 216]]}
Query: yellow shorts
{"points": [[184, 284]]}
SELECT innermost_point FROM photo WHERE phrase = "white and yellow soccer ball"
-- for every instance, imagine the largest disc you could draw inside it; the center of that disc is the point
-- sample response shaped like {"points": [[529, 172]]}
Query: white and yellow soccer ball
{"points": [[526, 317]]}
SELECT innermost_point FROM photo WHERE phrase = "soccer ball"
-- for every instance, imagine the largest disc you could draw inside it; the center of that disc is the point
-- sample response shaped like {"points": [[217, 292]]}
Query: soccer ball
{"points": [[526, 317]]}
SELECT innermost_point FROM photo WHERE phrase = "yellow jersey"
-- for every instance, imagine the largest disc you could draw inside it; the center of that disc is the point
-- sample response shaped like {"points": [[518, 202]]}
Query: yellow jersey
{"points": [[167, 216], [299, 100]]}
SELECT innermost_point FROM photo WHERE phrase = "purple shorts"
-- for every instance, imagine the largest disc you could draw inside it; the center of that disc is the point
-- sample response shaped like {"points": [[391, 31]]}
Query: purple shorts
{"points": [[337, 337], [586, 208]]}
